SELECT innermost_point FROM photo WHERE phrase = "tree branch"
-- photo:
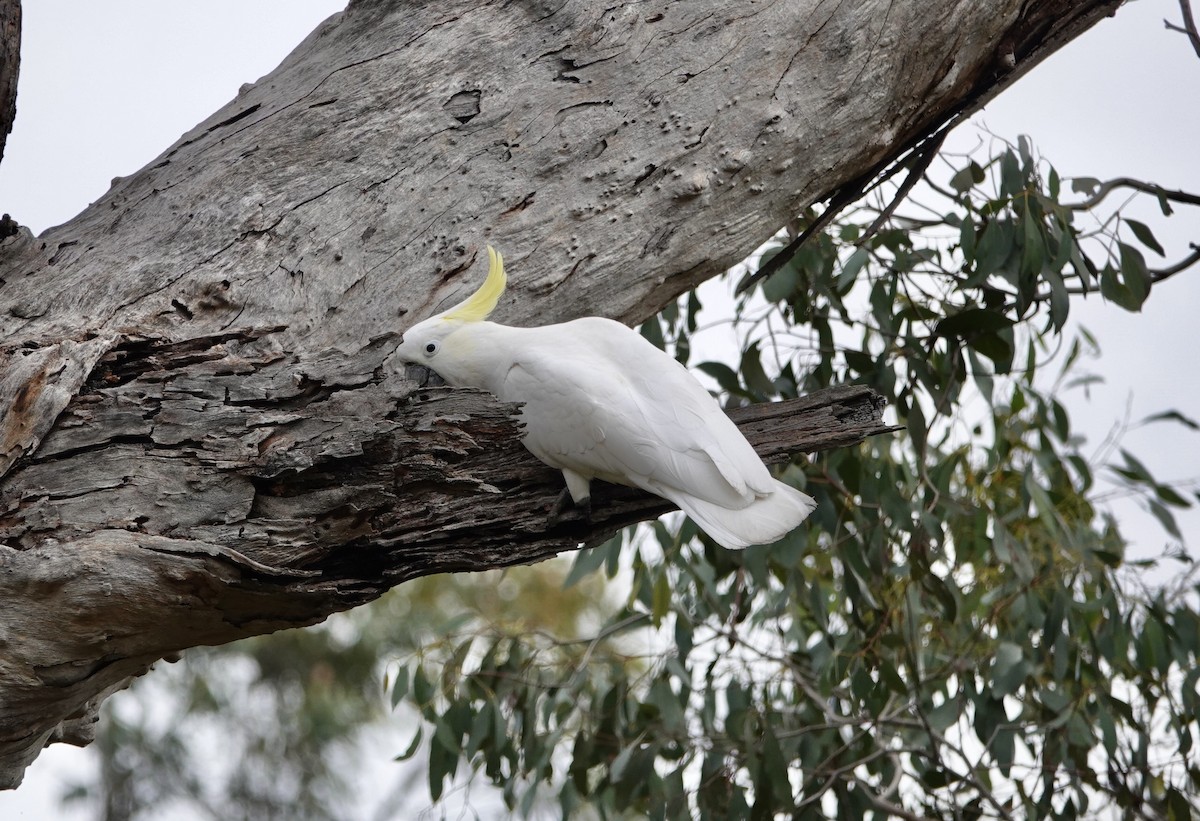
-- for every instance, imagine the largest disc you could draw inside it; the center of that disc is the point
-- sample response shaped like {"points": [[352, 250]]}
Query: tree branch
{"points": [[10, 69], [1159, 274], [202, 435], [1189, 25], [1106, 188], [308, 524]]}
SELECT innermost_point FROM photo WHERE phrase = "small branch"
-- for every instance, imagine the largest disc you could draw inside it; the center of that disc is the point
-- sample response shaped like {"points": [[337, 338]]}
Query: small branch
{"points": [[888, 808], [844, 196], [1189, 25], [1159, 274], [918, 161], [922, 158], [1107, 188]]}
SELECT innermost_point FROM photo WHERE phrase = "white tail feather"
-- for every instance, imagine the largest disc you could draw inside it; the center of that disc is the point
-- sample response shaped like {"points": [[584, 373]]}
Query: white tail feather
{"points": [[765, 520]]}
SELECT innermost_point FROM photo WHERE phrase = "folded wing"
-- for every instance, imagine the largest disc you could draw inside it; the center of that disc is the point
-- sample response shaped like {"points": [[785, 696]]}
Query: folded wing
{"points": [[603, 402]]}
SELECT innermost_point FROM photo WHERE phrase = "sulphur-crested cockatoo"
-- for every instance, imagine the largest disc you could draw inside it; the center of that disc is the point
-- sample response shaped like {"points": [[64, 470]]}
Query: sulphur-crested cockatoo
{"points": [[601, 402]]}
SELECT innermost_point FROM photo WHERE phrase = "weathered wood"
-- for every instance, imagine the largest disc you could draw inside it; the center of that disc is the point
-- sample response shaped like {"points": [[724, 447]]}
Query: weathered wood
{"points": [[10, 68], [202, 435], [98, 585]]}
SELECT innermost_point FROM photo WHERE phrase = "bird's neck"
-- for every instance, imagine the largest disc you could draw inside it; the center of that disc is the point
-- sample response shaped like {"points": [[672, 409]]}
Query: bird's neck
{"points": [[483, 354]]}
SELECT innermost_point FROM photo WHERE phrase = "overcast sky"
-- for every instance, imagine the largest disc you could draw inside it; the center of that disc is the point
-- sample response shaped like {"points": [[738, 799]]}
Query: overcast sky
{"points": [[105, 87]]}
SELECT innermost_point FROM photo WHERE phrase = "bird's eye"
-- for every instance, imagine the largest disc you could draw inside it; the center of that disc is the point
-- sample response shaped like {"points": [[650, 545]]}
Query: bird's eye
{"points": [[431, 348]]}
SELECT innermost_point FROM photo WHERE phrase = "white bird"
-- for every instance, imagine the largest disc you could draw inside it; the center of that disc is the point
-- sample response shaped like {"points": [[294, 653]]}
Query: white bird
{"points": [[601, 402]]}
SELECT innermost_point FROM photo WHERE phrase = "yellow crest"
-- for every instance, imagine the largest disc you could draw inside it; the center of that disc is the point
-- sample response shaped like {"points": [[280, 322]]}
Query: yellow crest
{"points": [[480, 304]]}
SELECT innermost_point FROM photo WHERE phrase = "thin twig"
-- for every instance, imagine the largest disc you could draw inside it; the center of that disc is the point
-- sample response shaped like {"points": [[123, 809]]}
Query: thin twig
{"points": [[845, 196], [892, 810], [921, 163], [1159, 274], [1189, 25], [1107, 188]]}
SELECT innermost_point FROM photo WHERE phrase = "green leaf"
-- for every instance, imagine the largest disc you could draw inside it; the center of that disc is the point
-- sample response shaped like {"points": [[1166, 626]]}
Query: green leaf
{"points": [[442, 764], [916, 426], [859, 361], [693, 308], [1115, 291], [1179, 808], [1145, 236], [1004, 748], [411, 750], [968, 177], [422, 688], [661, 601], [1172, 416], [1165, 517], [1033, 254], [1134, 469], [1060, 301], [1009, 669], [780, 286], [1084, 185], [1171, 496], [966, 239], [891, 677], [944, 716], [754, 375], [993, 250], [400, 688], [726, 377], [850, 269], [972, 321], [774, 766], [996, 348], [1135, 274], [616, 771], [587, 561], [1012, 182], [481, 728]]}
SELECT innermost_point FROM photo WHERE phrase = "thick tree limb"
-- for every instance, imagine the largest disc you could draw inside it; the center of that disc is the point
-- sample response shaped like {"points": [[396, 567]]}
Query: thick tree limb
{"points": [[435, 482], [202, 435]]}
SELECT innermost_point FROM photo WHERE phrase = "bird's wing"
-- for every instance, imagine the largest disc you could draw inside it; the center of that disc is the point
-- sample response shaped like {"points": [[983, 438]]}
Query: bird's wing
{"points": [[602, 401]]}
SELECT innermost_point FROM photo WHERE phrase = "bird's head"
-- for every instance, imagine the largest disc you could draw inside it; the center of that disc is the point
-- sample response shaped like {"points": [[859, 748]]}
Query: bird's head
{"points": [[445, 343]]}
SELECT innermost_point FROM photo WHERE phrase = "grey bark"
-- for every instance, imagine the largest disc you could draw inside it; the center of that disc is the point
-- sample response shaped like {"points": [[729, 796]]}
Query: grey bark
{"points": [[10, 64], [203, 434]]}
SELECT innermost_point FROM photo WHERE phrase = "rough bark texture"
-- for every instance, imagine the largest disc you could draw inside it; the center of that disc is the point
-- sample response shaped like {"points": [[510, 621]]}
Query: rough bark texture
{"points": [[203, 436], [10, 64]]}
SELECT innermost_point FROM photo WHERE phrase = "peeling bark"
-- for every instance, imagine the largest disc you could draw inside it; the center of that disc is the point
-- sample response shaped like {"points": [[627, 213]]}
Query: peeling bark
{"points": [[203, 434]]}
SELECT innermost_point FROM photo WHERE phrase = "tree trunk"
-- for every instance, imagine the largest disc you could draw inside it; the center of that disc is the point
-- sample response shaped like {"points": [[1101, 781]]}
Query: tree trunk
{"points": [[204, 436]]}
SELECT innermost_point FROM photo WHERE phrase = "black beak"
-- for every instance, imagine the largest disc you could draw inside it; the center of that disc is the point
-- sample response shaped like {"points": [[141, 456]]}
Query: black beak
{"points": [[423, 376]]}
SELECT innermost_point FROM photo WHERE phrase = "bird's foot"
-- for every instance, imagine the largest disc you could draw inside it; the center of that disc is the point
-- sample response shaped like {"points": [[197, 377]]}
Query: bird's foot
{"points": [[564, 501]]}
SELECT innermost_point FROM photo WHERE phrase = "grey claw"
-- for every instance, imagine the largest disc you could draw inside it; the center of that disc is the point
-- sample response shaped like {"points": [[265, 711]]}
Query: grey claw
{"points": [[563, 502]]}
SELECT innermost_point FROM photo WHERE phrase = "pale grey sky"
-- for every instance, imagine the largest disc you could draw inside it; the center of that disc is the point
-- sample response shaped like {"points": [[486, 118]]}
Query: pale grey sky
{"points": [[105, 87]]}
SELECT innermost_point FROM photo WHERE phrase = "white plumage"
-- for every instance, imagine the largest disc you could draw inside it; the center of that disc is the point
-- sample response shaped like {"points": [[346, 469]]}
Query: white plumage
{"points": [[601, 402]]}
